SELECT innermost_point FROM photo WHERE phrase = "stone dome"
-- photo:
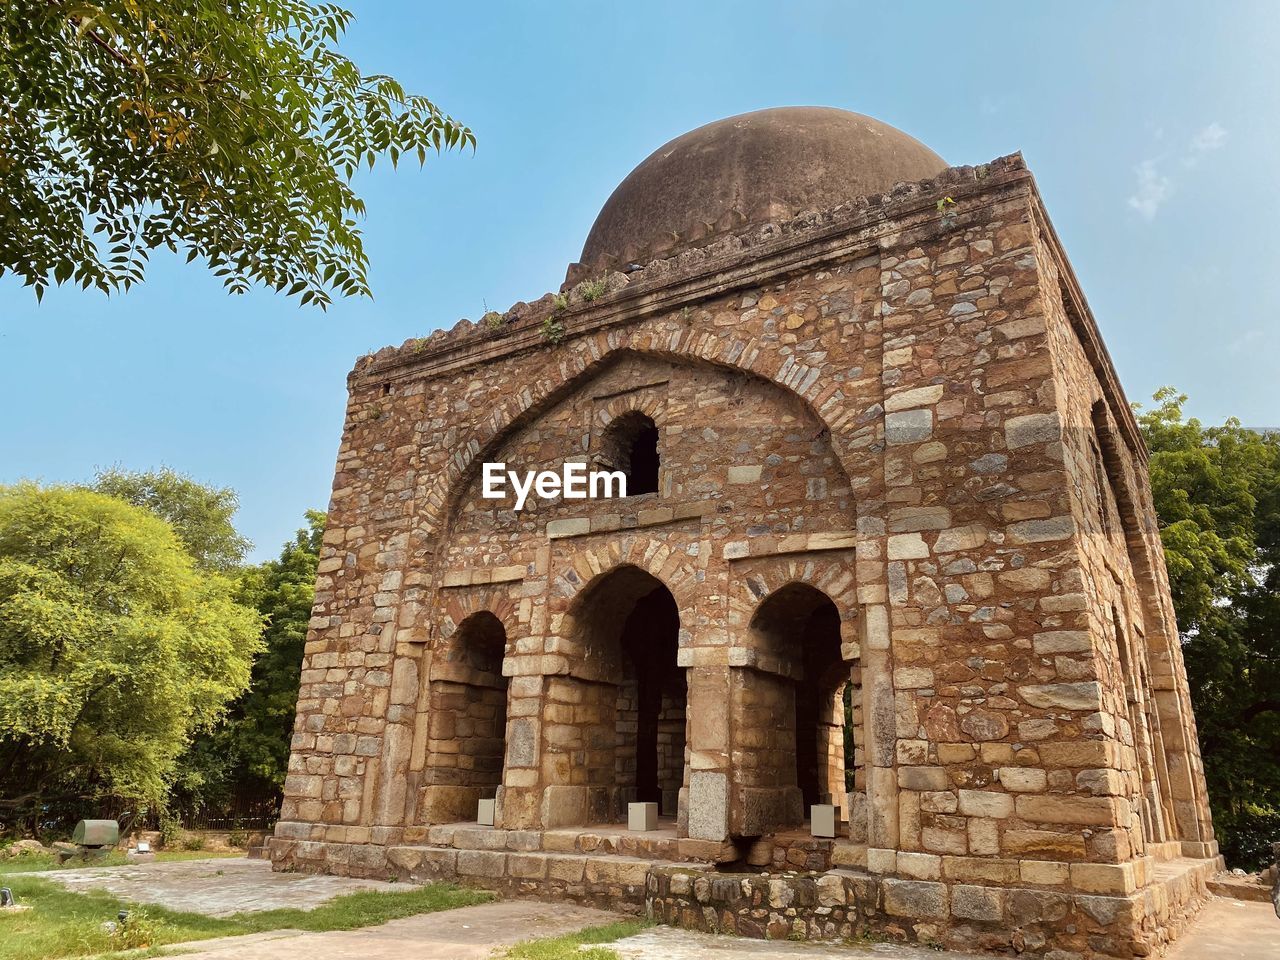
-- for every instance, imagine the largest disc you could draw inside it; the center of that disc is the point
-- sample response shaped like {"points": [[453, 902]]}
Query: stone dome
{"points": [[757, 166]]}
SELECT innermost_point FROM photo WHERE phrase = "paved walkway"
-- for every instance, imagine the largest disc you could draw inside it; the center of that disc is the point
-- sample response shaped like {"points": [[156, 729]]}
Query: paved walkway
{"points": [[467, 933], [668, 943], [217, 887], [1230, 930], [1225, 930]]}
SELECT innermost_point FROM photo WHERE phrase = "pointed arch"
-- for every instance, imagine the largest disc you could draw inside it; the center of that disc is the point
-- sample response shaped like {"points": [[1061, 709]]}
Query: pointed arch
{"points": [[439, 500]]}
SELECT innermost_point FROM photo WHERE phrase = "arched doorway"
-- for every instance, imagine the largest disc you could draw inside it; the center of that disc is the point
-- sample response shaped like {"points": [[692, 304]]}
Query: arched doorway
{"points": [[813, 751], [629, 693], [466, 723]]}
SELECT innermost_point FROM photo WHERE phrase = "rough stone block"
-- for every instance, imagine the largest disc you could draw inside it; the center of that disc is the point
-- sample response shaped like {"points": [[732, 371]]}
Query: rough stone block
{"points": [[708, 806], [616, 870], [527, 866], [977, 903], [985, 803], [489, 864], [917, 899], [1089, 811], [919, 866]]}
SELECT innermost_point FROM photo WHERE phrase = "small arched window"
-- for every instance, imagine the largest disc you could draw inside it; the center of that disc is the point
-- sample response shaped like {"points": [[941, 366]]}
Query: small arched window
{"points": [[630, 444]]}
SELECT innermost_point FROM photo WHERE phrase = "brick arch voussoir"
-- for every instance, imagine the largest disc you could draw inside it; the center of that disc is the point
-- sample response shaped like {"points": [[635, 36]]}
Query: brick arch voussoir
{"points": [[648, 404], [829, 576], [671, 568], [457, 605]]}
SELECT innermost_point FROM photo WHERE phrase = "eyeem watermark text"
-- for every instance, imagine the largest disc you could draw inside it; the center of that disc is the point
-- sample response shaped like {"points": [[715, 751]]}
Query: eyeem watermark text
{"points": [[573, 482]]}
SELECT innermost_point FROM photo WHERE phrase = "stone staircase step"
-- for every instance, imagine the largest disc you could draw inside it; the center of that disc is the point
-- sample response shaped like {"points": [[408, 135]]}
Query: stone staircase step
{"points": [[576, 876], [655, 846]]}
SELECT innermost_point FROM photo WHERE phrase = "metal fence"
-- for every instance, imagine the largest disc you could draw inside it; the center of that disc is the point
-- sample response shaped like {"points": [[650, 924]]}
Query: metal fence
{"points": [[240, 813]]}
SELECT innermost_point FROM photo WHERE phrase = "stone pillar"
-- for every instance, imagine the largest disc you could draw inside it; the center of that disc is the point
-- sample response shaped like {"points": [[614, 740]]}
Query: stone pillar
{"points": [[880, 732], [705, 810], [520, 796]]}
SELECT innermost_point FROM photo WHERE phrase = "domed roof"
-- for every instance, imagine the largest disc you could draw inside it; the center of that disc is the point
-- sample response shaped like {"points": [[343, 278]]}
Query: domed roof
{"points": [[756, 166]]}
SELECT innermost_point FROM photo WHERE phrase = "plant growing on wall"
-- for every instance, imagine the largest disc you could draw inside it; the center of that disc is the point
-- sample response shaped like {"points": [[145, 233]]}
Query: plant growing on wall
{"points": [[552, 329], [593, 289]]}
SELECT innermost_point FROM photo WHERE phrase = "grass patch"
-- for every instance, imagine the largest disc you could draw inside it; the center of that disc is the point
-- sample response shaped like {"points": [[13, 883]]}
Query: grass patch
{"points": [[583, 945], [365, 908], [65, 924], [43, 862]]}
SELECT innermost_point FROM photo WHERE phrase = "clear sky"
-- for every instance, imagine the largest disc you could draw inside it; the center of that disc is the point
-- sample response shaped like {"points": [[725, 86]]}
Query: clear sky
{"points": [[1152, 130]]}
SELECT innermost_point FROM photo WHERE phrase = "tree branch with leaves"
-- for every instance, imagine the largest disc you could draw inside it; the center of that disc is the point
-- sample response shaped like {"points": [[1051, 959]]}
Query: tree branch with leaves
{"points": [[229, 131]]}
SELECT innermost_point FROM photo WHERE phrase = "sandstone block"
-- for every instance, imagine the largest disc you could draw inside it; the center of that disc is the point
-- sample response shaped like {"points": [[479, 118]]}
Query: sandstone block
{"points": [[960, 538], [918, 899], [908, 426], [1062, 641], [527, 866], [920, 866], [1088, 811], [985, 803], [1065, 696], [922, 778], [1044, 844], [1041, 531], [1023, 779], [489, 864], [1044, 872], [1113, 878], [568, 868], [907, 546], [977, 903], [616, 870], [1034, 428], [917, 397]]}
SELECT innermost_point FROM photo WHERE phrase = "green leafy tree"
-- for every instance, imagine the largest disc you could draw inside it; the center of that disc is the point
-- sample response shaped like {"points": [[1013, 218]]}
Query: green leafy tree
{"points": [[199, 514], [114, 650], [247, 753], [1217, 494], [228, 130]]}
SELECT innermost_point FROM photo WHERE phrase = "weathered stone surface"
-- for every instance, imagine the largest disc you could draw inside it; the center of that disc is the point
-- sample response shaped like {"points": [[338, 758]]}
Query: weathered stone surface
{"points": [[977, 903], [915, 898], [888, 451], [1067, 696]]}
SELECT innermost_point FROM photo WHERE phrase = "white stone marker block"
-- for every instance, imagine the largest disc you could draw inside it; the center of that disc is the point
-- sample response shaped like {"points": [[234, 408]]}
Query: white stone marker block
{"points": [[642, 816], [824, 819], [485, 812]]}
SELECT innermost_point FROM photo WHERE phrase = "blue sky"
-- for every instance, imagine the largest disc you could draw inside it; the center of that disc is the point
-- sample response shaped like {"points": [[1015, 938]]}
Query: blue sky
{"points": [[1151, 129]]}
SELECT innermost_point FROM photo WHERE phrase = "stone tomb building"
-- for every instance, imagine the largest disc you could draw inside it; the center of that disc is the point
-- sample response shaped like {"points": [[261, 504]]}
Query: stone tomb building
{"points": [[888, 541]]}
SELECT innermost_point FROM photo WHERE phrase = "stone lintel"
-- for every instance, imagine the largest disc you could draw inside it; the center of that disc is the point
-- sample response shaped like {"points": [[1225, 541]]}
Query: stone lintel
{"points": [[792, 543], [482, 576], [655, 516]]}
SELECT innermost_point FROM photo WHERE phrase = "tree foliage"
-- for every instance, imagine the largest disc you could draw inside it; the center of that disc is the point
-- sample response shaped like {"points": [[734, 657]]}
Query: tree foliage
{"points": [[199, 514], [114, 649], [1217, 494], [228, 130], [247, 753]]}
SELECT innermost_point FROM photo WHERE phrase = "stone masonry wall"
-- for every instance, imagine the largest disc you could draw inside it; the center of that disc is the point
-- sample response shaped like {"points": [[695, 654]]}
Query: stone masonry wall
{"points": [[890, 405]]}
